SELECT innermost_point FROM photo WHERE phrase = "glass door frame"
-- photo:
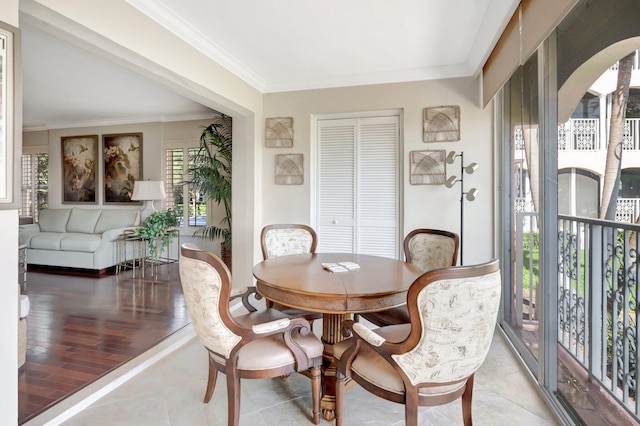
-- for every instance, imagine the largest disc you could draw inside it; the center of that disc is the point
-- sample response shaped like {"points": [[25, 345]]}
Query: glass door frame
{"points": [[545, 369]]}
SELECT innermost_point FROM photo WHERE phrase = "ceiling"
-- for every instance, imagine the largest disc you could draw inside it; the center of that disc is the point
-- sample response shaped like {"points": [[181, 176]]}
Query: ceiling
{"points": [[273, 45]]}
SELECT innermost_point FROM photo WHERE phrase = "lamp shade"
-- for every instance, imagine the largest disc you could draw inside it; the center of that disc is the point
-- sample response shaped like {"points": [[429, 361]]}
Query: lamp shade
{"points": [[451, 157], [451, 181], [148, 190], [471, 168]]}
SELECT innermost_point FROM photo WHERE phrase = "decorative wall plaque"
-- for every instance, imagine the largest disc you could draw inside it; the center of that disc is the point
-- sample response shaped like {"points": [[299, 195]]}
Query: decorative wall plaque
{"points": [[427, 167], [289, 169], [441, 124], [279, 132]]}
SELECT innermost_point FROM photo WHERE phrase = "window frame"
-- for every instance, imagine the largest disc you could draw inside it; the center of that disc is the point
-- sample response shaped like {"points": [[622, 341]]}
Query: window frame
{"points": [[185, 146], [33, 152]]}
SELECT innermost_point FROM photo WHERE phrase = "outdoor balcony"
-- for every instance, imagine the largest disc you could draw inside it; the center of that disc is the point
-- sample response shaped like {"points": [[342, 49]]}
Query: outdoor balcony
{"points": [[597, 308]]}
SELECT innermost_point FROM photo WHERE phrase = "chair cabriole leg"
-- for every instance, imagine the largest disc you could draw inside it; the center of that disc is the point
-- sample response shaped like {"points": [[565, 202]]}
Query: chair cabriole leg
{"points": [[467, 397], [411, 407], [211, 382], [233, 395]]}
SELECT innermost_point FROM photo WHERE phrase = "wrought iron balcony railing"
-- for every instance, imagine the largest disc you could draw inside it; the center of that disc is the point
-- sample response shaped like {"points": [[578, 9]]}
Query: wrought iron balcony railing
{"points": [[597, 299], [583, 134]]}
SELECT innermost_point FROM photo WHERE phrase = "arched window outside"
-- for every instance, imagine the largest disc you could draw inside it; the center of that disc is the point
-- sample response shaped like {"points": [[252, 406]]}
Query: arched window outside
{"points": [[578, 193]]}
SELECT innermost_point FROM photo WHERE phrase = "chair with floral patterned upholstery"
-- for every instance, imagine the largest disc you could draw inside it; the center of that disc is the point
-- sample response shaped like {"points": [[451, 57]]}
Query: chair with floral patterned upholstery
{"points": [[431, 360], [259, 344], [284, 240], [428, 249]]}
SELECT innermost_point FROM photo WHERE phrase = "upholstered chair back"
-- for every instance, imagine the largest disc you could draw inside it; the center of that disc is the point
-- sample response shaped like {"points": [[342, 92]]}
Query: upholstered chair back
{"points": [[287, 239], [430, 249], [201, 281], [458, 317]]}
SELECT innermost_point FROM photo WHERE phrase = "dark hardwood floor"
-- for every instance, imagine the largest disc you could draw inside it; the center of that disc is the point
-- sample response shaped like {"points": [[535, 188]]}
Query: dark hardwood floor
{"points": [[80, 328]]}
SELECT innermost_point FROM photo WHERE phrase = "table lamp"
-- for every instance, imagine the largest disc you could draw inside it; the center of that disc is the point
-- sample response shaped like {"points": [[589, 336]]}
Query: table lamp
{"points": [[149, 191]]}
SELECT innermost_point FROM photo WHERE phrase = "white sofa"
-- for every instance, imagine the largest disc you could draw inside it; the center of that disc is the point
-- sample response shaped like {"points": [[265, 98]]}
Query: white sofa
{"points": [[76, 238]]}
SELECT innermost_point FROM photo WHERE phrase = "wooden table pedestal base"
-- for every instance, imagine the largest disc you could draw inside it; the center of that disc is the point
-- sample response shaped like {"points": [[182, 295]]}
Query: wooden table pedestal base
{"points": [[330, 336]]}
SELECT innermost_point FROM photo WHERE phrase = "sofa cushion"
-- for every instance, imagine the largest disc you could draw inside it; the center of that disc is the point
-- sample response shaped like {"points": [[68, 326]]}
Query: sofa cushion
{"points": [[110, 219], [80, 242], [46, 241], [54, 220], [25, 237], [83, 220]]}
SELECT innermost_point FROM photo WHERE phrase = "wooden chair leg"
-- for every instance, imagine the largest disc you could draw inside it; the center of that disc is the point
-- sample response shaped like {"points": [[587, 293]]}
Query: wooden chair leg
{"points": [[233, 396], [340, 378], [316, 393], [211, 382], [467, 397], [411, 408]]}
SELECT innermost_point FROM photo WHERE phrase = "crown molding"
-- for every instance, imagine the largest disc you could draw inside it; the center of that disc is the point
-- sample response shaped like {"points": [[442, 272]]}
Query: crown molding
{"points": [[164, 16]]}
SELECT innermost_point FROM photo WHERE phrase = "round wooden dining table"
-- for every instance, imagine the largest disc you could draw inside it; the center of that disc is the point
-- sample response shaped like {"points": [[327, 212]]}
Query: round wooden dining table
{"points": [[300, 281]]}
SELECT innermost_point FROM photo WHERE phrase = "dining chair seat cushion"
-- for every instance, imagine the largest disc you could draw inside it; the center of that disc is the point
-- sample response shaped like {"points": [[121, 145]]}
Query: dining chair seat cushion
{"points": [[271, 352], [397, 315], [371, 366]]}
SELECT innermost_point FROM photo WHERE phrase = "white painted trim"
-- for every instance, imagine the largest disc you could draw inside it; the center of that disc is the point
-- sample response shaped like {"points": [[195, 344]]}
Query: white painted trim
{"points": [[164, 16], [120, 121]]}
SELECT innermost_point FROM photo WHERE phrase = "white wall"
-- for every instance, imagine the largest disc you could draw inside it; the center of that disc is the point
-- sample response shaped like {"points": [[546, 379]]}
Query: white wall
{"points": [[9, 317], [155, 136], [425, 206], [9, 292]]}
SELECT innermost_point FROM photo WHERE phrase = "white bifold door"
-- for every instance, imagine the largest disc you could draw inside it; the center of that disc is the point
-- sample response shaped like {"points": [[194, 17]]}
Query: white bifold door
{"points": [[358, 185]]}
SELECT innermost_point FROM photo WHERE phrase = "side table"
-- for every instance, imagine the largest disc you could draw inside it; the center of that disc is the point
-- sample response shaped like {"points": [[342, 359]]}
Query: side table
{"points": [[129, 242], [160, 260]]}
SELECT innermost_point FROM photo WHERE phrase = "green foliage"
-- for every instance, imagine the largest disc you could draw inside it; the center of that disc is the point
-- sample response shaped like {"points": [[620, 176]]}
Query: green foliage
{"points": [[529, 239], [530, 257], [210, 174], [157, 230]]}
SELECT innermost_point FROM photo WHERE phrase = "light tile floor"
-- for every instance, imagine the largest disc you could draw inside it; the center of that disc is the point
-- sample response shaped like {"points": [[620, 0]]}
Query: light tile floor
{"points": [[170, 392]]}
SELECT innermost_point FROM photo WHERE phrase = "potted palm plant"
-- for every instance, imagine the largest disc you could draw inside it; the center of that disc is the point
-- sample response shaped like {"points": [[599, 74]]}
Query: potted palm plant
{"points": [[210, 174]]}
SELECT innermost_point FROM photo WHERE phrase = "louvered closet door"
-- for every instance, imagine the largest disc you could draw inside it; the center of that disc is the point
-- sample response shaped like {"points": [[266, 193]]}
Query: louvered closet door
{"points": [[336, 185], [358, 186]]}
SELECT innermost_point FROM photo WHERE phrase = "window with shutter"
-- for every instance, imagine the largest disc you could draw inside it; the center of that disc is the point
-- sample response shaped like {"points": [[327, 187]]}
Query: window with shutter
{"points": [[193, 213], [35, 184]]}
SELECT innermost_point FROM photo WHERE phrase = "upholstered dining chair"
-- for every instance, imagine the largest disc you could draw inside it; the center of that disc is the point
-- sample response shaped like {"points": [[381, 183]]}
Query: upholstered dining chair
{"points": [[431, 360], [283, 240], [259, 344], [427, 249]]}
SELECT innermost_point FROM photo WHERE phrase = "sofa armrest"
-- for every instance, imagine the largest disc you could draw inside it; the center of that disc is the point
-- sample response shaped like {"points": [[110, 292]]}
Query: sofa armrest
{"points": [[112, 234], [29, 227]]}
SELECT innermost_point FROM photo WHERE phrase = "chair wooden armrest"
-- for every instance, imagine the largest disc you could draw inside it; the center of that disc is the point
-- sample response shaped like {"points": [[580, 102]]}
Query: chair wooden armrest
{"points": [[245, 293]]}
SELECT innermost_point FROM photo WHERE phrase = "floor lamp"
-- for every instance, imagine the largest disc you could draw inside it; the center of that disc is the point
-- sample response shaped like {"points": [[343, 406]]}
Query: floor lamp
{"points": [[470, 195]]}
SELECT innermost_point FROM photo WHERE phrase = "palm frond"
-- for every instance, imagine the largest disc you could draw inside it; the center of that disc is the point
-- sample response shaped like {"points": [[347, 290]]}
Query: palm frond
{"points": [[210, 173]]}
